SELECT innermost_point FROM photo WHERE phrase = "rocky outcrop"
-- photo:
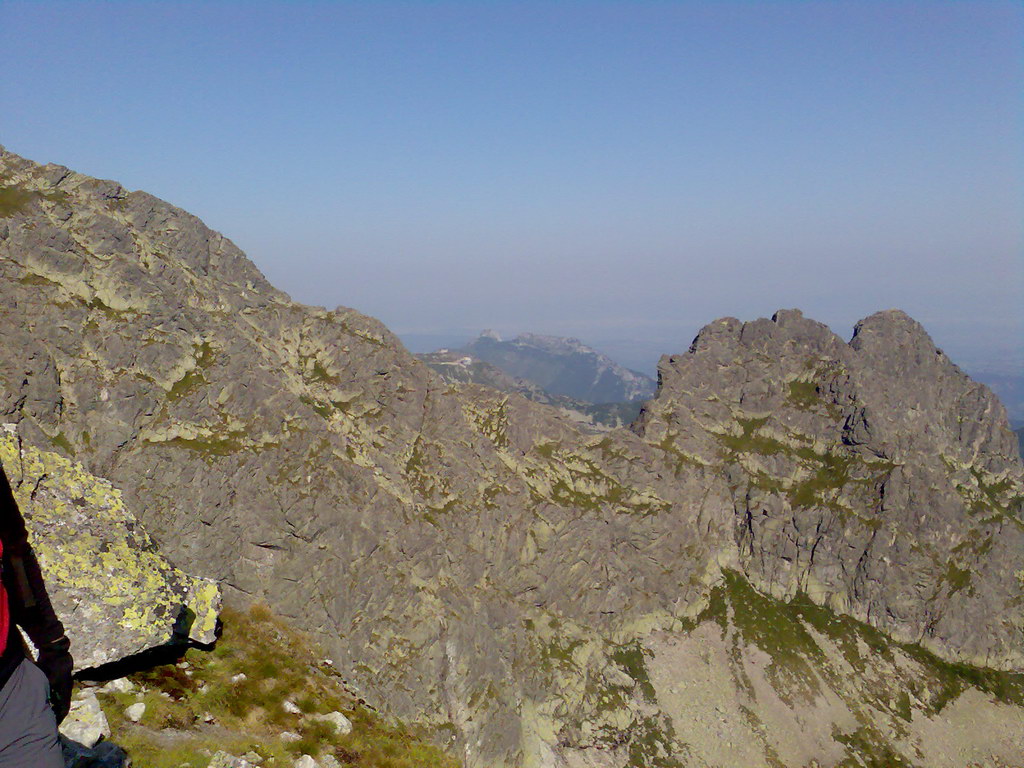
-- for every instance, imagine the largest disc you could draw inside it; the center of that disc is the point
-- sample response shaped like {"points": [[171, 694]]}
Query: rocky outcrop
{"points": [[116, 594], [473, 560], [875, 476]]}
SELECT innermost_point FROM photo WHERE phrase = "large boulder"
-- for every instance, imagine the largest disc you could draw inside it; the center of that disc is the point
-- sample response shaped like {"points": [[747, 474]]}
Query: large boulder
{"points": [[116, 594]]}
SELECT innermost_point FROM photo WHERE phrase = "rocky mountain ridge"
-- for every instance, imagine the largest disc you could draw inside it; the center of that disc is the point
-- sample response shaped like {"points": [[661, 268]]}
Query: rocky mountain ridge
{"points": [[538, 595]]}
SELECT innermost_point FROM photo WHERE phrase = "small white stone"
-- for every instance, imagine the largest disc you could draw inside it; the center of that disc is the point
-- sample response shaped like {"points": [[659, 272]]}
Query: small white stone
{"points": [[86, 722], [239, 677], [118, 685], [224, 760], [207, 717], [290, 736], [290, 707], [306, 762], [135, 712]]}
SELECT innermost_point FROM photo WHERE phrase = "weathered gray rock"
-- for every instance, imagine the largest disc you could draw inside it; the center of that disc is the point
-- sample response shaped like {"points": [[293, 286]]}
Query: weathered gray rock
{"points": [[135, 711], [471, 559], [85, 724]]}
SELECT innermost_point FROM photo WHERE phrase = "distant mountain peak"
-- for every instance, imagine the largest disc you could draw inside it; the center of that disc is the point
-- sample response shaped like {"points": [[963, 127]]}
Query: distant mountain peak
{"points": [[562, 366]]}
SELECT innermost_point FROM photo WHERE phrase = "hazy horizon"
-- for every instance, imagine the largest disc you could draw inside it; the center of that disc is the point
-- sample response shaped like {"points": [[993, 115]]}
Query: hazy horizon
{"points": [[621, 173]]}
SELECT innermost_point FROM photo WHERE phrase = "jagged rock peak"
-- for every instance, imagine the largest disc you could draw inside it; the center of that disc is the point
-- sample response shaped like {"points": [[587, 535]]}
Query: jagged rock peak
{"points": [[892, 332]]}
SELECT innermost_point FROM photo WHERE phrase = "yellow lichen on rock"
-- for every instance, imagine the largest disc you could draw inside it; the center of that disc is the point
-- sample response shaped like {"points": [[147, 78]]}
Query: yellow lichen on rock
{"points": [[116, 594]]}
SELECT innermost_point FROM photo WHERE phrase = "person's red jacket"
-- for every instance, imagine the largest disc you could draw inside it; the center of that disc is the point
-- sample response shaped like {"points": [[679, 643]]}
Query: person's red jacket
{"points": [[29, 607]]}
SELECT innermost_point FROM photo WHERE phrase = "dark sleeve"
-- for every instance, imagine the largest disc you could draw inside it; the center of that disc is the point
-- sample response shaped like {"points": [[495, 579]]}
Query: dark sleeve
{"points": [[26, 593]]}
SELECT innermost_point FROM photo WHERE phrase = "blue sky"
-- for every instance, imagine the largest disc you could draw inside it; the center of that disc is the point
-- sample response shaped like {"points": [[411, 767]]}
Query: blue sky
{"points": [[621, 172]]}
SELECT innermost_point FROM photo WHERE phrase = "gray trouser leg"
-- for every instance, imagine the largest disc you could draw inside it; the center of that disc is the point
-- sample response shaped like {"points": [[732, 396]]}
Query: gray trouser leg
{"points": [[28, 729]]}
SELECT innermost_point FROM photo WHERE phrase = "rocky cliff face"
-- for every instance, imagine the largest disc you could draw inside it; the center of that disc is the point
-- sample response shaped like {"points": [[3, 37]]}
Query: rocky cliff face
{"points": [[854, 469], [538, 595]]}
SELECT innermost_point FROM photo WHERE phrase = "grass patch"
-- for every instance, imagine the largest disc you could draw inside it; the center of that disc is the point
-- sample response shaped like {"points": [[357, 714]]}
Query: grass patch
{"points": [[775, 628], [210, 447], [320, 374], [97, 303], [324, 411], [56, 196], [948, 679], [38, 280], [493, 424], [868, 749], [14, 200], [188, 383], [957, 578], [257, 665], [831, 474], [789, 633], [632, 658], [943, 681], [652, 744], [205, 356], [750, 441], [60, 440], [803, 395]]}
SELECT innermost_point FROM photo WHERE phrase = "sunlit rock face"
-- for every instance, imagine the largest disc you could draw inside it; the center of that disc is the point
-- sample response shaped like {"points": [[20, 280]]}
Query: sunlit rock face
{"points": [[875, 476], [535, 594], [115, 593]]}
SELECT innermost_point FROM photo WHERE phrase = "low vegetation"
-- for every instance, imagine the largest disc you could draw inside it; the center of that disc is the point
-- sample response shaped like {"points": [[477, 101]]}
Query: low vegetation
{"points": [[14, 200], [259, 690], [782, 630]]}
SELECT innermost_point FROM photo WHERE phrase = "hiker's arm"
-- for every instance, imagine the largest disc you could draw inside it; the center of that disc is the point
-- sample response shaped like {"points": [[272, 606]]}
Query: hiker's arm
{"points": [[29, 602]]}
